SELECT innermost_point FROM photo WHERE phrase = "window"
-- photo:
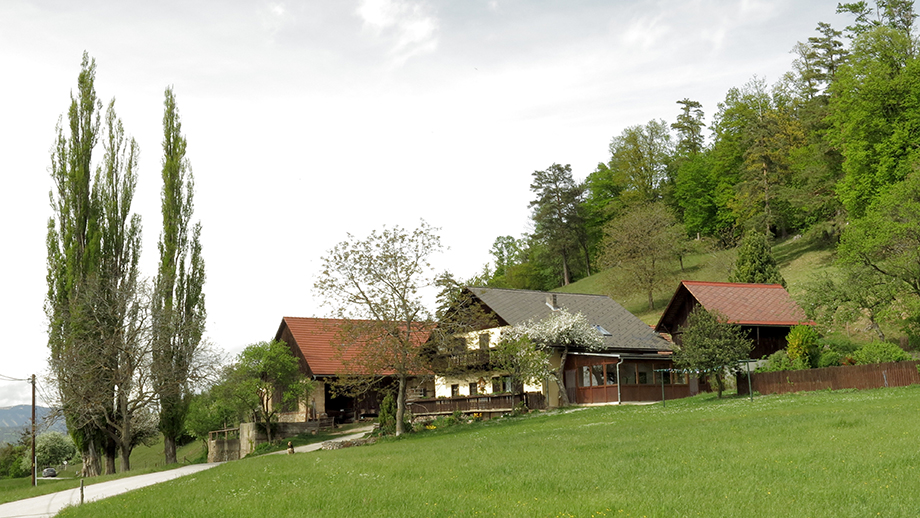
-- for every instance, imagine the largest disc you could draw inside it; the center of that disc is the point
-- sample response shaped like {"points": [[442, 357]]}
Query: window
{"points": [[585, 379], [645, 373], [484, 341], [454, 390], [611, 373], [597, 375], [474, 388]]}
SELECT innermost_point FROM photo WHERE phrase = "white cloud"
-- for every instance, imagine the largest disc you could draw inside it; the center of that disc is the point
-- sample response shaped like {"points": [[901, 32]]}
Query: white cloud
{"points": [[407, 26], [646, 32]]}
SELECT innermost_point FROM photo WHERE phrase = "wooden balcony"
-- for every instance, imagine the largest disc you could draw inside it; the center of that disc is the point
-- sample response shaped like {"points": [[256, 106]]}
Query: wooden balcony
{"points": [[485, 404], [468, 359]]}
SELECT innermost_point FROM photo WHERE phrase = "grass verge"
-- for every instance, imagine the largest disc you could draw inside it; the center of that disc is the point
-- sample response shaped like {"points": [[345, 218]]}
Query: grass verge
{"points": [[819, 454]]}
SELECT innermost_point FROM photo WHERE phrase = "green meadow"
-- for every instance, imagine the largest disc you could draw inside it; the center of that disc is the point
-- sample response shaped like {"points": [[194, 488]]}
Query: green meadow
{"points": [[819, 454]]}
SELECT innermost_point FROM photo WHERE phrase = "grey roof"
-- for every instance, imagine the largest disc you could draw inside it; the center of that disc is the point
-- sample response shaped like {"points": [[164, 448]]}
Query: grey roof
{"points": [[628, 333]]}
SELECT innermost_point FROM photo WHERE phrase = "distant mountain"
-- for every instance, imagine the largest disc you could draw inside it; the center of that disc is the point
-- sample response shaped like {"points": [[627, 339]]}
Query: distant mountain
{"points": [[15, 418]]}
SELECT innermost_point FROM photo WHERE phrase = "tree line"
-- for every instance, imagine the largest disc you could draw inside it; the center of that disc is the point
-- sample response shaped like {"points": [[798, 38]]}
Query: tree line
{"points": [[125, 351], [830, 149]]}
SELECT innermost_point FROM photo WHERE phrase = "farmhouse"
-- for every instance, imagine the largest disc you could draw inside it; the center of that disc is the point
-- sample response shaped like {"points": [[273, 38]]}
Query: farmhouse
{"points": [[316, 342], [765, 311], [629, 367]]}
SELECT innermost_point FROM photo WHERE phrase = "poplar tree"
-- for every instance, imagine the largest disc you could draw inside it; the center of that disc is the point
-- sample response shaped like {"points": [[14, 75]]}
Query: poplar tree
{"points": [[178, 301], [93, 244]]}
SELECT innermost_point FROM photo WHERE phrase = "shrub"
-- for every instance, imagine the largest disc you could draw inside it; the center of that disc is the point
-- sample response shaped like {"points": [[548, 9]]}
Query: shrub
{"points": [[880, 352], [829, 359], [802, 346], [778, 361]]}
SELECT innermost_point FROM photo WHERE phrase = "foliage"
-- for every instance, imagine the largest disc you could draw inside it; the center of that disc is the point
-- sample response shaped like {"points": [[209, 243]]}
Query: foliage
{"points": [[802, 345], [51, 449], [755, 262], [11, 456], [856, 292], [178, 304], [265, 379], [94, 304], [559, 219], [709, 343], [387, 417], [517, 355], [638, 242], [880, 352], [778, 361], [208, 412], [374, 284], [563, 330]]}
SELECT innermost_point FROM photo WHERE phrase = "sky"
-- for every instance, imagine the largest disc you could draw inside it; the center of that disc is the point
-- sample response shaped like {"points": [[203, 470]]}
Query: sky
{"points": [[309, 121]]}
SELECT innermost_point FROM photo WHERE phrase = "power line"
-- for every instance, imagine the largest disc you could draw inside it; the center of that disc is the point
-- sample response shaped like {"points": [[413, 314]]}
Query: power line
{"points": [[4, 377]]}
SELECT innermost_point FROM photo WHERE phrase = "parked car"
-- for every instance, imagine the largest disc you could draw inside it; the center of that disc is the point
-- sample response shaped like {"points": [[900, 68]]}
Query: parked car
{"points": [[49, 472]]}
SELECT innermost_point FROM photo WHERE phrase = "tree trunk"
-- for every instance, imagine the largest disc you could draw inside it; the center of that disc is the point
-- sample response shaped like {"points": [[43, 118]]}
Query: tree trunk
{"points": [[125, 457], [400, 405], [90, 459], [169, 449], [651, 299], [563, 394], [111, 451]]}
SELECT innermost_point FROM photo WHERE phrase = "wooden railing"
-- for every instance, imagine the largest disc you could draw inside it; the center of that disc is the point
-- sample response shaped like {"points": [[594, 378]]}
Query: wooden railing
{"points": [[459, 360], [490, 403]]}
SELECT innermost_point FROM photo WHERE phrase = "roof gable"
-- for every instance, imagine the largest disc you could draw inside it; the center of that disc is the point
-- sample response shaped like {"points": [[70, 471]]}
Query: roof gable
{"points": [[745, 304], [316, 341], [627, 332]]}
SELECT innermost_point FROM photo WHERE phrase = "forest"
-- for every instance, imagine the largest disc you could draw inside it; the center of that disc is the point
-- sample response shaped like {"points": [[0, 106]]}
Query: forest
{"points": [[830, 151]]}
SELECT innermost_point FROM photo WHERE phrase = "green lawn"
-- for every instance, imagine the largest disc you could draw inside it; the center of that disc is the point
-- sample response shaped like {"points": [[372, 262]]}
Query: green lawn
{"points": [[833, 454], [144, 459]]}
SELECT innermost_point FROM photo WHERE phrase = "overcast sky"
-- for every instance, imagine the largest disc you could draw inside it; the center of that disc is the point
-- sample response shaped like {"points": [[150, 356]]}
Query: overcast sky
{"points": [[310, 120]]}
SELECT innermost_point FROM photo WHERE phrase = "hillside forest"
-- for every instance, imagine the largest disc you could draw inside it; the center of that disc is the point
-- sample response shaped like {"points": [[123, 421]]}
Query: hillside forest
{"points": [[829, 152]]}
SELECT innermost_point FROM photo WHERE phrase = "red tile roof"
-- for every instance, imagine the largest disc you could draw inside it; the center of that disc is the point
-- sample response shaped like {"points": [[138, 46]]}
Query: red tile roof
{"points": [[318, 339], [748, 304]]}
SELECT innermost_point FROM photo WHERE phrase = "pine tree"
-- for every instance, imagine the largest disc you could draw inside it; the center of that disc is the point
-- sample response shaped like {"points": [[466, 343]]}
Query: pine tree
{"points": [[755, 262]]}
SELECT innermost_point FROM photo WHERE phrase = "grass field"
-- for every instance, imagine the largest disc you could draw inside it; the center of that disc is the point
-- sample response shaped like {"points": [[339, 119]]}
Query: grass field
{"points": [[819, 454], [144, 459]]}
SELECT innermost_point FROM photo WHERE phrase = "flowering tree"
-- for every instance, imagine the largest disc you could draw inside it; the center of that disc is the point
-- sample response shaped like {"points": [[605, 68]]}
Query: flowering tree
{"points": [[563, 330], [517, 355]]}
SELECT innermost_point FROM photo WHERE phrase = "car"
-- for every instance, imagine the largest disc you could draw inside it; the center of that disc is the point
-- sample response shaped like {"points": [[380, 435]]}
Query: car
{"points": [[49, 472]]}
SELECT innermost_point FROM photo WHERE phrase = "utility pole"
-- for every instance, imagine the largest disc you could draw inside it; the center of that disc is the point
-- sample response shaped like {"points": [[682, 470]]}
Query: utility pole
{"points": [[34, 480]]}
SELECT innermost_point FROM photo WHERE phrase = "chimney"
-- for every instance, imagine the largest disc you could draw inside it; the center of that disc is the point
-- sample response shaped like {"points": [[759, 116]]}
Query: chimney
{"points": [[551, 301]]}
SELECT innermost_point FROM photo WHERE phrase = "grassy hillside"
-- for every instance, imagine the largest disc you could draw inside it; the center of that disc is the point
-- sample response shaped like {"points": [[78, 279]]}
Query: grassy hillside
{"points": [[820, 454], [798, 259]]}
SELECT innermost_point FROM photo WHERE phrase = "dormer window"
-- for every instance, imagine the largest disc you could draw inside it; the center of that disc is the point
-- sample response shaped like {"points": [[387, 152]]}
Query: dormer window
{"points": [[602, 331]]}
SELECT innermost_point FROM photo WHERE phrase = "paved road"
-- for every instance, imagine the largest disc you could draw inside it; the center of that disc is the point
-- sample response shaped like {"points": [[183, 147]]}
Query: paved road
{"points": [[357, 433], [50, 504], [46, 506]]}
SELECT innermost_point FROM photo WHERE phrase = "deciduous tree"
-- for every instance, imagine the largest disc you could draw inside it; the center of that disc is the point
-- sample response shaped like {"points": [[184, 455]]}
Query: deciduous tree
{"points": [[264, 379], [178, 298], [374, 284], [93, 249], [565, 331], [639, 242], [709, 343]]}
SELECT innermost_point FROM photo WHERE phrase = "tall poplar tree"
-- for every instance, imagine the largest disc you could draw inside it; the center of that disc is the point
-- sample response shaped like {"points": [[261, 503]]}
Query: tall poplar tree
{"points": [[178, 300], [93, 246]]}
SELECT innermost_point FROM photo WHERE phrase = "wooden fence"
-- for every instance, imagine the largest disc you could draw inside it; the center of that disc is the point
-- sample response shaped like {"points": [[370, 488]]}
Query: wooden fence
{"points": [[897, 374]]}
